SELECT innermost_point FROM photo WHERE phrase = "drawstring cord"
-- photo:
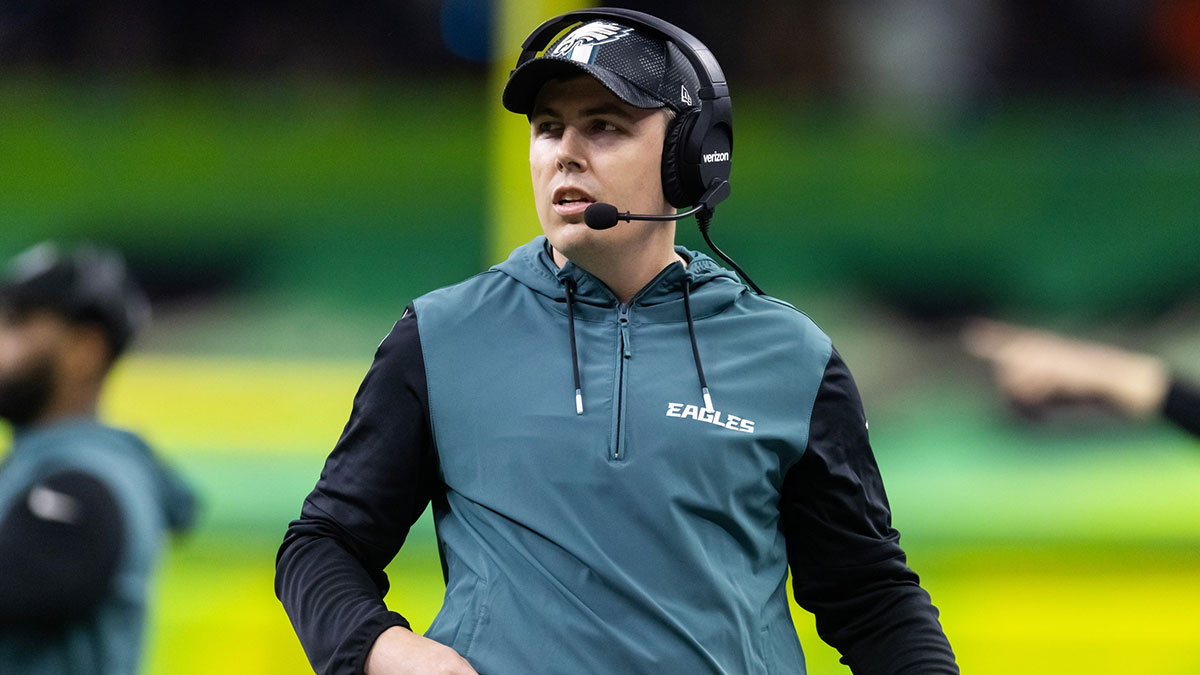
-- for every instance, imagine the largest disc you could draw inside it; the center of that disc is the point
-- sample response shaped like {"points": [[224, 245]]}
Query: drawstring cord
{"points": [[687, 309], [574, 352]]}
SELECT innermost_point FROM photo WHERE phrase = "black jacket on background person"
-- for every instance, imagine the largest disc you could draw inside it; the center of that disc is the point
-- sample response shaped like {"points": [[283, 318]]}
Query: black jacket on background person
{"points": [[1182, 405]]}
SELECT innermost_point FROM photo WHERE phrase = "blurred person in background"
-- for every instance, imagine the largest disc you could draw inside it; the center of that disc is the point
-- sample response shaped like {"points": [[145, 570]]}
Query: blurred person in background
{"points": [[84, 507], [1037, 369], [623, 525]]}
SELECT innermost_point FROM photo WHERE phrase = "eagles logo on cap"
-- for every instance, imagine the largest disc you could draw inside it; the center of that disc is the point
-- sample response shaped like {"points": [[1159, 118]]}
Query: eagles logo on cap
{"points": [[580, 44], [638, 67]]}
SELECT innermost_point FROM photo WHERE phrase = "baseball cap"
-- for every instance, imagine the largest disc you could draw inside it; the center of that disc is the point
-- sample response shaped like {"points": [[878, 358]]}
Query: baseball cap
{"points": [[639, 68], [88, 284]]}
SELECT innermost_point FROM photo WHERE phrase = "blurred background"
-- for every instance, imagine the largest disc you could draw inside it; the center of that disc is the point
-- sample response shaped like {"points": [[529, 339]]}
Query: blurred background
{"points": [[286, 177]]}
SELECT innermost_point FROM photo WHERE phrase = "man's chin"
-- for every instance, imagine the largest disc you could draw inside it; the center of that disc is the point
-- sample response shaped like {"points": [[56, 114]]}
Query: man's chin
{"points": [[576, 240], [566, 233]]}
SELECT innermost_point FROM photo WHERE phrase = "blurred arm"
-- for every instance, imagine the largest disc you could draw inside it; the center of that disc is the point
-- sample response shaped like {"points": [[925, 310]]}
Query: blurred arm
{"points": [[375, 484], [847, 565], [59, 547], [1034, 368]]}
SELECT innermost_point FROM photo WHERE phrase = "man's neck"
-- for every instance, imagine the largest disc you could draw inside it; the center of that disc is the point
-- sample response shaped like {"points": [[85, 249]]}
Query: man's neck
{"points": [[625, 275], [79, 401]]}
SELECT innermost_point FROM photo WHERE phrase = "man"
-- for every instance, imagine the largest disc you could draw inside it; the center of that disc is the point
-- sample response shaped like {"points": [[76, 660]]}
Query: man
{"points": [[598, 511], [83, 506], [1036, 369]]}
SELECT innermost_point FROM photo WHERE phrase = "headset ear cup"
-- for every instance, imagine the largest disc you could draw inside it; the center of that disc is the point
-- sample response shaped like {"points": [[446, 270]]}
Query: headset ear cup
{"points": [[677, 188]]}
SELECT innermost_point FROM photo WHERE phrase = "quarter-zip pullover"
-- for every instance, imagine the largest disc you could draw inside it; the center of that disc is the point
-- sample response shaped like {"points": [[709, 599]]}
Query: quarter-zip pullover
{"points": [[650, 533]]}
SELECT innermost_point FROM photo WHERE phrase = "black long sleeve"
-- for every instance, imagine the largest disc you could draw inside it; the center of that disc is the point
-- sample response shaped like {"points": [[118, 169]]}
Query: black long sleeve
{"points": [[847, 565], [59, 548], [376, 483], [1182, 406]]}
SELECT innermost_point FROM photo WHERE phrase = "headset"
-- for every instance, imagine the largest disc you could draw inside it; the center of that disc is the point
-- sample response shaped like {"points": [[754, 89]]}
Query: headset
{"points": [[694, 136], [696, 133]]}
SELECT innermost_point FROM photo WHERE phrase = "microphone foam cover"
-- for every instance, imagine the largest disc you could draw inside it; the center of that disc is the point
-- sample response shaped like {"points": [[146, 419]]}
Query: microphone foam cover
{"points": [[600, 216]]}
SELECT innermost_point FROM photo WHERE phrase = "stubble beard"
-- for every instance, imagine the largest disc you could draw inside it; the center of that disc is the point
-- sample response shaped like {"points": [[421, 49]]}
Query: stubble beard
{"points": [[24, 395]]}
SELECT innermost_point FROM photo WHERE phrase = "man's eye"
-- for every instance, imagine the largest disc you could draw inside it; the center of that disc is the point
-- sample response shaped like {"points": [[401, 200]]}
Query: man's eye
{"points": [[603, 125], [548, 127]]}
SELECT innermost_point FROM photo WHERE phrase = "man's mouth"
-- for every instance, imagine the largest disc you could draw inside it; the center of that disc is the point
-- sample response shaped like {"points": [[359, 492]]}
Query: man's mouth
{"points": [[571, 201], [570, 195]]}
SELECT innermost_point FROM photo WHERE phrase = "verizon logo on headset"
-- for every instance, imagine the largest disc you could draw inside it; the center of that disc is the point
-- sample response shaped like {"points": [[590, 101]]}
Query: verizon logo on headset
{"points": [[715, 157]]}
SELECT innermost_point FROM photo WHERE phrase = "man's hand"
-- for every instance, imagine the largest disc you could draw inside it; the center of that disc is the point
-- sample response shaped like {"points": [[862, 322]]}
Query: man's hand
{"points": [[1034, 368], [399, 651]]}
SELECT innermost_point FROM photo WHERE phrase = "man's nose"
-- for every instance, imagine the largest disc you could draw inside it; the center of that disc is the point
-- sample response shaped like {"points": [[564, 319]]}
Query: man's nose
{"points": [[572, 153]]}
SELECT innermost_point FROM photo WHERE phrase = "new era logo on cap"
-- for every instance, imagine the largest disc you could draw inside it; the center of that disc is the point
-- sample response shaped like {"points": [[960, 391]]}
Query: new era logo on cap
{"points": [[581, 43]]}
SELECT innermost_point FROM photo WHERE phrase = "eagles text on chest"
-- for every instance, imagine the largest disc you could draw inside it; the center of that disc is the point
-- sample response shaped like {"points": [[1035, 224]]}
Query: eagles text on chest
{"points": [[701, 414]]}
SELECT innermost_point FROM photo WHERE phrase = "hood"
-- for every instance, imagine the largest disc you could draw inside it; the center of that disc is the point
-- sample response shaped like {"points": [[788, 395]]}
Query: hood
{"points": [[712, 287], [176, 498], [701, 289]]}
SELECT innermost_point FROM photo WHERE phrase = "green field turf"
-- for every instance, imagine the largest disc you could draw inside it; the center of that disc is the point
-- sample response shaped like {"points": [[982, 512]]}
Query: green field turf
{"points": [[1049, 552]]}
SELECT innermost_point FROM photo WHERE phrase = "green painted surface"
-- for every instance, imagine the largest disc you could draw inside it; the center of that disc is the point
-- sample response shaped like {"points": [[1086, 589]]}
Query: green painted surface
{"points": [[360, 193]]}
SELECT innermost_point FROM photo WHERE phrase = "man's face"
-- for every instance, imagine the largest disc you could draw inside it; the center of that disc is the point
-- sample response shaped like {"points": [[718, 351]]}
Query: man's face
{"points": [[586, 145], [31, 343]]}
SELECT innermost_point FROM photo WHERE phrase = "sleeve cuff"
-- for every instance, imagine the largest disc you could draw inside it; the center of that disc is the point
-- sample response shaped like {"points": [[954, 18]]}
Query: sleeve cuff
{"points": [[1182, 405], [369, 632]]}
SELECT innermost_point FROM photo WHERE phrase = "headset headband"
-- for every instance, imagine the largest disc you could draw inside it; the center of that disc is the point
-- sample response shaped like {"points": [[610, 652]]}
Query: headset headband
{"points": [[712, 79]]}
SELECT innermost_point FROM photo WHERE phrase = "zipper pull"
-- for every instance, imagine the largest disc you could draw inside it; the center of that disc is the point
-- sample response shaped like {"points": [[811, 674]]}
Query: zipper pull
{"points": [[623, 320]]}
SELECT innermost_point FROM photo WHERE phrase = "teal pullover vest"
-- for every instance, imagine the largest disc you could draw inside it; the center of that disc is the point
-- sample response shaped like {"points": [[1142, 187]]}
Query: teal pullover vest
{"points": [[642, 534], [151, 500]]}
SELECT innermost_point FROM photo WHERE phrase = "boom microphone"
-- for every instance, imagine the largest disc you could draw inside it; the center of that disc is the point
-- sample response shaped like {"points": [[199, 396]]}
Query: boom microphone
{"points": [[601, 216]]}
